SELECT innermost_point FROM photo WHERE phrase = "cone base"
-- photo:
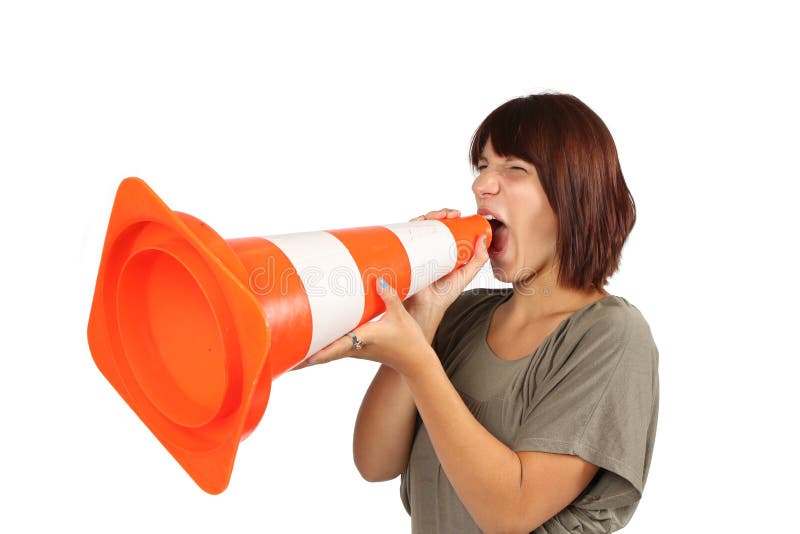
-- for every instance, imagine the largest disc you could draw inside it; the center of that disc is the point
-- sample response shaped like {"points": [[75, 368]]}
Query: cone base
{"points": [[165, 325]]}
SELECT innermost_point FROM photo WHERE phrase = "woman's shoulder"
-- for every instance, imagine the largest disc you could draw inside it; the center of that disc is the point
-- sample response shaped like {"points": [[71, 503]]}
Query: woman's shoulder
{"points": [[614, 311], [614, 319]]}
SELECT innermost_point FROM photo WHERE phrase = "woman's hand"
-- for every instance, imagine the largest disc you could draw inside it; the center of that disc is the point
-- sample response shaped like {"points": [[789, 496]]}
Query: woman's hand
{"points": [[395, 340], [437, 297], [405, 331]]}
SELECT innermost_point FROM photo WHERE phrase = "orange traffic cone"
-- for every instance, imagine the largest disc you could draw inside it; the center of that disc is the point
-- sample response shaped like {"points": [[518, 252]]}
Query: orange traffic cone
{"points": [[192, 329]]}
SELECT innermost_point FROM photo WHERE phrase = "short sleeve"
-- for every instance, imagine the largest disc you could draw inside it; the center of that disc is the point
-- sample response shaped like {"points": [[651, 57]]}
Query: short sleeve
{"points": [[598, 400]]}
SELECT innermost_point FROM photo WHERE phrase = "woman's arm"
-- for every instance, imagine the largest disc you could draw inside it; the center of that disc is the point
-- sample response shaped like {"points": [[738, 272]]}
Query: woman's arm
{"points": [[504, 491], [384, 427]]}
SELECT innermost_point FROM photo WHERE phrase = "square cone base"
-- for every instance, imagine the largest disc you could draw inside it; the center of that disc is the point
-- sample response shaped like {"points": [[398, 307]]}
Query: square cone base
{"points": [[175, 330]]}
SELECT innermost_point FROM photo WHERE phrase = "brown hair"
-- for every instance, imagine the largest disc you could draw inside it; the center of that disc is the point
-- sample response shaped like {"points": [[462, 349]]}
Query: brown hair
{"points": [[576, 159]]}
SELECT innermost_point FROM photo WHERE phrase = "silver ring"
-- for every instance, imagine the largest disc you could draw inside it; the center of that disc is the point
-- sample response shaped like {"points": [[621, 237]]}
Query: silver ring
{"points": [[357, 343]]}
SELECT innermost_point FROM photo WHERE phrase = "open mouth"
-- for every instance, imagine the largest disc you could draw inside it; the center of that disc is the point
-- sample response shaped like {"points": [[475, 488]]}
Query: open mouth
{"points": [[499, 236]]}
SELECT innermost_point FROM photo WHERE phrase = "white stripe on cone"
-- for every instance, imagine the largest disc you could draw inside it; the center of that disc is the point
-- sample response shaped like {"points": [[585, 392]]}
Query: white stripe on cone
{"points": [[333, 282], [430, 248]]}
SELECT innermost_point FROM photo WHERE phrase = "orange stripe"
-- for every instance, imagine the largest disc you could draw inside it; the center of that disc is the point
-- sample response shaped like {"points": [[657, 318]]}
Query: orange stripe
{"points": [[464, 231], [378, 253], [278, 288]]}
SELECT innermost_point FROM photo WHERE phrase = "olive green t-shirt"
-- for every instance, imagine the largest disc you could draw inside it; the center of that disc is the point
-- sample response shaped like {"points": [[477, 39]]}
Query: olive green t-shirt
{"points": [[589, 389]]}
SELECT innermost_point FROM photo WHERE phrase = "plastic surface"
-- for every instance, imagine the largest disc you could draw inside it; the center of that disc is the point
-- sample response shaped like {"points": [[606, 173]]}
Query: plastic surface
{"points": [[191, 329]]}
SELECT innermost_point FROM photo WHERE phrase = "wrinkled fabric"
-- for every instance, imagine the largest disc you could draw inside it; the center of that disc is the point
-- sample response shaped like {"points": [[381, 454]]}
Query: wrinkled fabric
{"points": [[589, 389]]}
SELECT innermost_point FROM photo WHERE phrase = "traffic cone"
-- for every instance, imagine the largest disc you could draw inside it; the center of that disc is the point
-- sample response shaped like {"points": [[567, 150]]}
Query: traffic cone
{"points": [[192, 329]]}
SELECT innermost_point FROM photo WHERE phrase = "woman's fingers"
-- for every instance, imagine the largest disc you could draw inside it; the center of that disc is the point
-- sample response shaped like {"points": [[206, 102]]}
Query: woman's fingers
{"points": [[455, 281], [336, 350], [444, 213], [343, 347], [299, 366], [479, 256], [389, 296]]}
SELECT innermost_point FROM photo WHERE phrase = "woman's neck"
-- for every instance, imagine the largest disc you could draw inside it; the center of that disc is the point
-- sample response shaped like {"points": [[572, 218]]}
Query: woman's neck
{"points": [[542, 298]]}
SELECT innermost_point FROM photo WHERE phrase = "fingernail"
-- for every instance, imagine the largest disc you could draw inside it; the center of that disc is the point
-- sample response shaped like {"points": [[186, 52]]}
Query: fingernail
{"points": [[382, 283], [311, 362]]}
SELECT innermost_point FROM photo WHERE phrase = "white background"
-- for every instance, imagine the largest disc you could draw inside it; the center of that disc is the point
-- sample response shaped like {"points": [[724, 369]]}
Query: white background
{"points": [[264, 119]]}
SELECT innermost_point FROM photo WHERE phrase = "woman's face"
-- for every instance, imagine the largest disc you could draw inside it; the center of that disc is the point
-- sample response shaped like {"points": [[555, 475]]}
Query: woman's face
{"points": [[524, 241]]}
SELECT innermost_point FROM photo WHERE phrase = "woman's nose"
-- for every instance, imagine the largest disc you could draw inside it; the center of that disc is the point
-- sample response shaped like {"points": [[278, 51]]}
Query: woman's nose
{"points": [[486, 183]]}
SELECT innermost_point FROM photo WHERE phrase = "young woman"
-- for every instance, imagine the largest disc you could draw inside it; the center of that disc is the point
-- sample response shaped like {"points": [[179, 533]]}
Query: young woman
{"points": [[531, 408]]}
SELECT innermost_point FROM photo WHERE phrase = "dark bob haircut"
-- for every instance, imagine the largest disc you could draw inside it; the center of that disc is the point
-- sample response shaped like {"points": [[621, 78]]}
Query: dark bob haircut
{"points": [[576, 159]]}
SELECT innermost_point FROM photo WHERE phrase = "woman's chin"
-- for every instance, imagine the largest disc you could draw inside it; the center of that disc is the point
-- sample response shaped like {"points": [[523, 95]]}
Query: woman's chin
{"points": [[499, 259], [500, 276], [497, 255]]}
